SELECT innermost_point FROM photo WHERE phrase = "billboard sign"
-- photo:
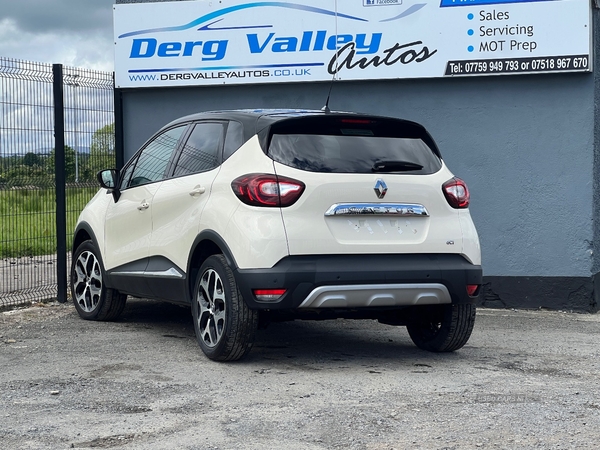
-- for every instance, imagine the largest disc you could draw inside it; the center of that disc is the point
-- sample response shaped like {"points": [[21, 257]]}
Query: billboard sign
{"points": [[243, 42]]}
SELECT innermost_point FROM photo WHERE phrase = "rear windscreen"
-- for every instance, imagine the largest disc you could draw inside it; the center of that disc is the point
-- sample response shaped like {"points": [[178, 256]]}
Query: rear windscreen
{"points": [[353, 146]]}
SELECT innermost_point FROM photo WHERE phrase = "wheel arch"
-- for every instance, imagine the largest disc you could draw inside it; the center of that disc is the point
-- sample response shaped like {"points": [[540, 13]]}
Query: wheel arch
{"points": [[206, 244], [83, 233]]}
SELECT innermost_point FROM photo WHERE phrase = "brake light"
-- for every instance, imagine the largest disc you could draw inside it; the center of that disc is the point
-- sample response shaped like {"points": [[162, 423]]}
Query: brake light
{"points": [[457, 193], [473, 290], [269, 190], [357, 121], [268, 295]]}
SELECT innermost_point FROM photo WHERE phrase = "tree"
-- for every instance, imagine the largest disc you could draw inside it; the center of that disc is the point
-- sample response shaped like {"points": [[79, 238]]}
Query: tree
{"points": [[31, 159], [69, 163], [102, 149]]}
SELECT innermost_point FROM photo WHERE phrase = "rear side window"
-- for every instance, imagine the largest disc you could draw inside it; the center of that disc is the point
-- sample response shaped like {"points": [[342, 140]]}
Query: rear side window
{"points": [[234, 139], [350, 145], [202, 149]]}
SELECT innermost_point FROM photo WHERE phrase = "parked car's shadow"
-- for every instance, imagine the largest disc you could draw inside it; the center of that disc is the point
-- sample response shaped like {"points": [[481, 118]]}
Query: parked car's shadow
{"points": [[296, 342]]}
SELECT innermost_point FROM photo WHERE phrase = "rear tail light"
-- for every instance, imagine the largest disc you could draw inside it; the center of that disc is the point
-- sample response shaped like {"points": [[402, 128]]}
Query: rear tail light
{"points": [[258, 189], [457, 193], [473, 290], [268, 295]]}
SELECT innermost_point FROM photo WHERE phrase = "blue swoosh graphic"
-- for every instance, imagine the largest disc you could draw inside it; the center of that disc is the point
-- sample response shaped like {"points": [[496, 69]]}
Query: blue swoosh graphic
{"points": [[208, 28], [231, 9], [408, 12]]}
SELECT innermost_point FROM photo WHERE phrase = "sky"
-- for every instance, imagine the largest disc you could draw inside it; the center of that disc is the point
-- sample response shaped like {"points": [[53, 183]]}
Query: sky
{"points": [[72, 32]]}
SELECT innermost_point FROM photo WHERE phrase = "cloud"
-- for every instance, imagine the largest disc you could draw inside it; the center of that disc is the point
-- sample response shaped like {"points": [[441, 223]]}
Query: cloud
{"points": [[43, 16], [72, 32]]}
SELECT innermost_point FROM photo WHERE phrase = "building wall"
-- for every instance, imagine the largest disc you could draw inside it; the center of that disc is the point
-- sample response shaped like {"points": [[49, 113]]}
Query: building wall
{"points": [[527, 146], [596, 199], [524, 144]]}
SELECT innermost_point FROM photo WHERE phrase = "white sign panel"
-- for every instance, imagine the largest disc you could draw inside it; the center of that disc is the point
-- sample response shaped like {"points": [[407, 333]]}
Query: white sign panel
{"points": [[240, 41]]}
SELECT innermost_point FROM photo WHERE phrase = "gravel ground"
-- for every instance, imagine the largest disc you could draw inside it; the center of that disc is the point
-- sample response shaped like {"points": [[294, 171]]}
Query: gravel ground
{"points": [[525, 380], [28, 278]]}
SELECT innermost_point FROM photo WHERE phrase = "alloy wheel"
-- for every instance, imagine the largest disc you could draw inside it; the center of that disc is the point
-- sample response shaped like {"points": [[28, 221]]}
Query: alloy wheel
{"points": [[211, 308], [88, 283]]}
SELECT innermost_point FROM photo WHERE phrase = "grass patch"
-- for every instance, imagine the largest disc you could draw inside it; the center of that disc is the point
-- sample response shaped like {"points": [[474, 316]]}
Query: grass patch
{"points": [[28, 219]]}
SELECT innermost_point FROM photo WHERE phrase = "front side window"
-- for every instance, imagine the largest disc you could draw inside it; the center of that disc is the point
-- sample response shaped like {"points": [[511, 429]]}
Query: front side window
{"points": [[126, 173], [202, 149], [151, 165]]}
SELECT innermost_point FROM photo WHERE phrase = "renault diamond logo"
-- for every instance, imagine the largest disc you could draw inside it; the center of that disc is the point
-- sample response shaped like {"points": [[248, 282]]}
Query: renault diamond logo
{"points": [[380, 188]]}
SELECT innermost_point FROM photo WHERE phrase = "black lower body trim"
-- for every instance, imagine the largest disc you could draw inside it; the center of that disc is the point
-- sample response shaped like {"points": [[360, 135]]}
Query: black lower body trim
{"points": [[155, 277], [300, 275]]}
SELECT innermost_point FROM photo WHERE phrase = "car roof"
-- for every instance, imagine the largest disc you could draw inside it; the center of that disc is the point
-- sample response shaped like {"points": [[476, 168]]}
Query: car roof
{"points": [[252, 119], [256, 120]]}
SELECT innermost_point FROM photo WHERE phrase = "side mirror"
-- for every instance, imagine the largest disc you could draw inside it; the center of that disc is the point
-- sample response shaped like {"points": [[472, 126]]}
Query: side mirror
{"points": [[109, 179]]}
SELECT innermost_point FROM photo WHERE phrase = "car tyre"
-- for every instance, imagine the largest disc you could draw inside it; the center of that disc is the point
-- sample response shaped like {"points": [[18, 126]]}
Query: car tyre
{"points": [[225, 326], [442, 328], [92, 299]]}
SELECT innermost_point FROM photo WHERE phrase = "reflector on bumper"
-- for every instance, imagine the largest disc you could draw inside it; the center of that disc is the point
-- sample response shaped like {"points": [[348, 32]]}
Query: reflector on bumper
{"points": [[268, 295]]}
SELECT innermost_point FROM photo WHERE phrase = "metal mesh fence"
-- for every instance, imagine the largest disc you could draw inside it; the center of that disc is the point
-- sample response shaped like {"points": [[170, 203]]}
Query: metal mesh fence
{"points": [[28, 238]]}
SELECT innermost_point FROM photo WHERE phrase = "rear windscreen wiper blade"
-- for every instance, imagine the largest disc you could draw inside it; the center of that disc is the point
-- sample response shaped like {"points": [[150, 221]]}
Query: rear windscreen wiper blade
{"points": [[395, 166]]}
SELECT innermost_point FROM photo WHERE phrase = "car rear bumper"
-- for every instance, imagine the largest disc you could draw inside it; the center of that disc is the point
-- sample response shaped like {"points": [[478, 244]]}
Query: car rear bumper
{"points": [[359, 281]]}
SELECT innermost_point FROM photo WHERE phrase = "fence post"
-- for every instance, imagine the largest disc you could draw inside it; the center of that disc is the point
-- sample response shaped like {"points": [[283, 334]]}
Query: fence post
{"points": [[59, 167], [119, 142]]}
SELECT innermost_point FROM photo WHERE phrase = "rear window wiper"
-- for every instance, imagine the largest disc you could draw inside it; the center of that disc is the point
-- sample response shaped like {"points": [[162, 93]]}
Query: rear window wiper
{"points": [[395, 166]]}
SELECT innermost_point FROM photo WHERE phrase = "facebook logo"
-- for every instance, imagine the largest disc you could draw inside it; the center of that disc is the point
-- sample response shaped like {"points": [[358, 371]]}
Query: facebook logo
{"points": [[381, 2]]}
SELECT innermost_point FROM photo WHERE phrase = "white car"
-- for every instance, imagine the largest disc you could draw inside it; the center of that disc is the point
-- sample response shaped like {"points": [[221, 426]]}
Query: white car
{"points": [[284, 214]]}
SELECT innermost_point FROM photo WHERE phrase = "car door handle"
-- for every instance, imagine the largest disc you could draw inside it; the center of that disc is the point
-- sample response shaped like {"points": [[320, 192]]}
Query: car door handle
{"points": [[143, 206], [198, 190]]}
